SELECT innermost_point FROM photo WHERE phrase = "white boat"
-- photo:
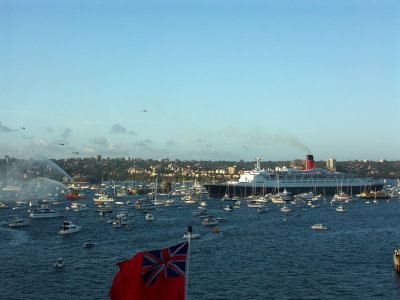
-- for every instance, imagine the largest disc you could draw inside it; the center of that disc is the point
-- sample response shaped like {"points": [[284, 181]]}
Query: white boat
{"points": [[340, 208], [149, 217], [191, 198], [286, 210], [103, 198], [283, 197], [226, 197], [221, 219], [319, 227], [68, 227], [59, 263], [209, 221], [17, 222], [342, 196], [123, 221], [3, 205], [277, 199], [19, 206], [228, 208], [76, 206], [44, 212], [256, 203], [191, 235]]}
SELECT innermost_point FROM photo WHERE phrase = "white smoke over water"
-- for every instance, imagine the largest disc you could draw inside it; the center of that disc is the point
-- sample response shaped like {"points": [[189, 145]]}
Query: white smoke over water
{"points": [[31, 179]]}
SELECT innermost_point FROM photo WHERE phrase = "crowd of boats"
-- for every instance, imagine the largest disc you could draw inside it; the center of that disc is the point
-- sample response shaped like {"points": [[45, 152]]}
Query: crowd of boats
{"points": [[117, 210]]}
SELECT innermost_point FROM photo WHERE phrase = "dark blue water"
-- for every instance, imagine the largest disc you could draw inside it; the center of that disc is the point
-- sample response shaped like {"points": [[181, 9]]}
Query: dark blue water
{"points": [[251, 258]]}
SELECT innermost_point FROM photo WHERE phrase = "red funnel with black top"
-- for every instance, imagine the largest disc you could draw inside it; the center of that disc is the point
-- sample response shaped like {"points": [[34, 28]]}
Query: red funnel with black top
{"points": [[309, 162]]}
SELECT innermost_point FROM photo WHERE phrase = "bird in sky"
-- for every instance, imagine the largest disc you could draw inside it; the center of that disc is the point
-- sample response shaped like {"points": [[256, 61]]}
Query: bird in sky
{"points": [[144, 110], [23, 128], [61, 144], [75, 152]]}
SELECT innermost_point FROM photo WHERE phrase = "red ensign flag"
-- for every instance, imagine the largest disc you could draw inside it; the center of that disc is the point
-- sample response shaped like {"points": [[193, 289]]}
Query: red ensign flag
{"points": [[158, 274]]}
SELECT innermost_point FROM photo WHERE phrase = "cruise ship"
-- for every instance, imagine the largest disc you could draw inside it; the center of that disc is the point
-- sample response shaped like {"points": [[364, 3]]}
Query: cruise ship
{"points": [[297, 181]]}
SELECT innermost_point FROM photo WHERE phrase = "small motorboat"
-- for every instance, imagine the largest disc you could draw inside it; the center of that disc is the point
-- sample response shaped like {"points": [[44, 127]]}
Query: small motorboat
{"points": [[149, 217], [18, 222], [319, 227], [216, 229], [228, 208], [68, 227], [340, 208], [285, 210], [221, 219], [59, 263], [3, 205], [209, 221], [88, 245]]}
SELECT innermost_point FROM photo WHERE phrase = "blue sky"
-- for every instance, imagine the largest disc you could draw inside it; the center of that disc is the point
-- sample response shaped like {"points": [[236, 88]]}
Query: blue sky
{"points": [[218, 79]]}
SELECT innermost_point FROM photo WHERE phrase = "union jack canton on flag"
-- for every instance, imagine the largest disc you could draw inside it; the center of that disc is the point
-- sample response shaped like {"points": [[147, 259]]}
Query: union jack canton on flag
{"points": [[165, 263]]}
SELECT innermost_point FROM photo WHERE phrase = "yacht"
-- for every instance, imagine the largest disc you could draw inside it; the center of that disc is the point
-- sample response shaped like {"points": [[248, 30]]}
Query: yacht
{"points": [[226, 197], [228, 208], [17, 222], [76, 206], [68, 227], [3, 205], [340, 208], [342, 196], [286, 210], [210, 220], [124, 220], [319, 227], [44, 212], [144, 204], [278, 199], [101, 198]]}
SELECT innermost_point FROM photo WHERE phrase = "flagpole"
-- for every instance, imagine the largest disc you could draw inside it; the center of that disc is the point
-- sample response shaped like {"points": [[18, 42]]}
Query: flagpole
{"points": [[187, 262]]}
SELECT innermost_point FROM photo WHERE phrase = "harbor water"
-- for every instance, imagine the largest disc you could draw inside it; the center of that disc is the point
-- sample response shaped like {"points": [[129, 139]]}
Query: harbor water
{"points": [[254, 256]]}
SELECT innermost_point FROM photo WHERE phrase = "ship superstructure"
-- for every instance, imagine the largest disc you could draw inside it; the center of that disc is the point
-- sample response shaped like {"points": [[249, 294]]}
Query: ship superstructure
{"points": [[296, 181]]}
